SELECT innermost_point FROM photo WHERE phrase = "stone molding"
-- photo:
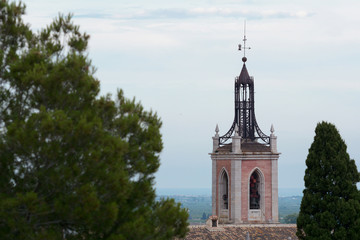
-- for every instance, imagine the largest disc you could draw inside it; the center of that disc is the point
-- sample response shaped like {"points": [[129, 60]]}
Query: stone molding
{"points": [[244, 157]]}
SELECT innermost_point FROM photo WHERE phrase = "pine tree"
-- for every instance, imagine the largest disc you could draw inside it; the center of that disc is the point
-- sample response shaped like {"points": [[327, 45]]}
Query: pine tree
{"points": [[73, 164], [330, 207]]}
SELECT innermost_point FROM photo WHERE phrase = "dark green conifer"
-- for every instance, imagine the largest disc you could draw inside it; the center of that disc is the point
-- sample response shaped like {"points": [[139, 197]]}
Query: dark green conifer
{"points": [[330, 207], [73, 165]]}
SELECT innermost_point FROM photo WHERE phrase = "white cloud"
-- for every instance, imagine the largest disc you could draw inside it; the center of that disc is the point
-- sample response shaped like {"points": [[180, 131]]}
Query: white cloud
{"points": [[199, 12]]}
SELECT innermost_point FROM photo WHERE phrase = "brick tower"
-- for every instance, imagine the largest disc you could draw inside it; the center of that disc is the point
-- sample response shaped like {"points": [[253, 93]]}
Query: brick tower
{"points": [[245, 163]]}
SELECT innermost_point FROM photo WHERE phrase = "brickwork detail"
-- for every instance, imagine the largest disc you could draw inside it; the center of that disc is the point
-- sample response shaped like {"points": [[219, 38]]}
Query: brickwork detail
{"points": [[248, 167]]}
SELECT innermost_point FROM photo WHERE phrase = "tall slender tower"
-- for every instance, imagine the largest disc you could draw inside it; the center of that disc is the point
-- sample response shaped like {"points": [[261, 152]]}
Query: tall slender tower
{"points": [[245, 163]]}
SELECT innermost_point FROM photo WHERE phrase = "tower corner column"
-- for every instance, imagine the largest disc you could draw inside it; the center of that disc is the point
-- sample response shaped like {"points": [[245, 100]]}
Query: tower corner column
{"points": [[236, 190], [274, 194], [213, 189]]}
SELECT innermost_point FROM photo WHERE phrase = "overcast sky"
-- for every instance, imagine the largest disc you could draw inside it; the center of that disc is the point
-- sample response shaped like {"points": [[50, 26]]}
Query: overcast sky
{"points": [[180, 58]]}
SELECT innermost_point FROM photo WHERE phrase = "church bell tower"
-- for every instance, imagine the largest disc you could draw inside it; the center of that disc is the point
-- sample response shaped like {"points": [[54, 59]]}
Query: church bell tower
{"points": [[245, 163]]}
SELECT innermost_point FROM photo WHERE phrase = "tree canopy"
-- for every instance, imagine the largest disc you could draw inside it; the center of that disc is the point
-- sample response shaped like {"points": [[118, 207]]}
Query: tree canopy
{"points": [[330, 207], [73, 164], [291, 218]]}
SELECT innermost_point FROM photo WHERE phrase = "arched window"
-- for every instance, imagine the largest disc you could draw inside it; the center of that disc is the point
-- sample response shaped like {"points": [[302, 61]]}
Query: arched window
{"points": [[224, 190], [254, 190]]}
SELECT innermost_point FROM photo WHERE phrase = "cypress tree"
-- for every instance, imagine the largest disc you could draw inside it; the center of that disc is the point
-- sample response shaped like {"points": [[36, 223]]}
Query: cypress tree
{"points": [[330, 207]]}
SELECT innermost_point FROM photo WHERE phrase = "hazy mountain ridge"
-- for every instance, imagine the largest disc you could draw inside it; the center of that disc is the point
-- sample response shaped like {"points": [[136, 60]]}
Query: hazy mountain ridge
{"points": [[283, 192], [198, 202]]}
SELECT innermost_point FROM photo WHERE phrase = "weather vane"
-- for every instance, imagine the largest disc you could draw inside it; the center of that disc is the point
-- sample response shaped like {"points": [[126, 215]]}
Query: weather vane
{"points": [[244, 40]]}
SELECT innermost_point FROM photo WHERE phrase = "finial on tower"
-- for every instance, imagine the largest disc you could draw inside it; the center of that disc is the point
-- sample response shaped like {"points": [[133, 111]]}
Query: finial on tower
{"points": [[273, 141], [244, 59], [236, 130], [216, 138], [217, 130]]}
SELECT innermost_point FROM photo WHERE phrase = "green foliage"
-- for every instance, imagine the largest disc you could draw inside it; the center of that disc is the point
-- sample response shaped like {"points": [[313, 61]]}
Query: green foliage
{"points": [[291, 218], [330, 207], [73, 165], [288, 206], [196, 206]]}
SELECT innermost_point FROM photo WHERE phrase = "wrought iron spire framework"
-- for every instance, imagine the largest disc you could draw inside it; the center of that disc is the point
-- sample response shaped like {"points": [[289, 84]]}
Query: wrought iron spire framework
{"points": [[245, 119]]}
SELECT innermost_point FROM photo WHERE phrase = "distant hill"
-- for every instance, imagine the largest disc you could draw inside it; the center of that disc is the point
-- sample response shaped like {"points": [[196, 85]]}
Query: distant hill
{"points": [[283, 192], [198, 202], [183, 191], [288, 192]]}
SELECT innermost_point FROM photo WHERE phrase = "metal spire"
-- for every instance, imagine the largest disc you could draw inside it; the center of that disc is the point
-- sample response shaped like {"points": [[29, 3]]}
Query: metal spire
{"points": [[244, 40], [244, 118]]}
